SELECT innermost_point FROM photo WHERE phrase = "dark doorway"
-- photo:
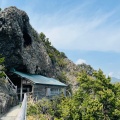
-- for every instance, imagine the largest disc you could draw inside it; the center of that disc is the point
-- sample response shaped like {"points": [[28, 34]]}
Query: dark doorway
{"points": [[27, 86]]}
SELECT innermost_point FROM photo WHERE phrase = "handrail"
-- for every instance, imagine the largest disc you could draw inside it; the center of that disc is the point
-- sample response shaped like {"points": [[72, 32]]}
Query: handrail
{"points": [[22, 113], [10, 83]]}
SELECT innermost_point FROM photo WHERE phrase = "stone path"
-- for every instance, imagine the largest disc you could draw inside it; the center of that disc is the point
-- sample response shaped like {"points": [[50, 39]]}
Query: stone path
{"points": [[12, 114]]}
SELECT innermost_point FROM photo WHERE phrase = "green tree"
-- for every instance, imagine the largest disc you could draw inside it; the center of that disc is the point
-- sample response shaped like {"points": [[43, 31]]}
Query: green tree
{"points": [[57, 57], [2, 68], [92, 109], [95, 99], [95, 96], [116, 113], [42, 36]]}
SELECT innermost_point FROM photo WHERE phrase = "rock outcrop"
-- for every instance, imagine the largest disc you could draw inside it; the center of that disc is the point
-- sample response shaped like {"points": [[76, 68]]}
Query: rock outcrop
{"points": [[27, 51], [7, 99], [20, 43]]}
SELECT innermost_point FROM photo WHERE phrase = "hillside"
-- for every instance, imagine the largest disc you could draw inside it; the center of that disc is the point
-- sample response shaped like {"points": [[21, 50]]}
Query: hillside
{"points": [[27, 51]]}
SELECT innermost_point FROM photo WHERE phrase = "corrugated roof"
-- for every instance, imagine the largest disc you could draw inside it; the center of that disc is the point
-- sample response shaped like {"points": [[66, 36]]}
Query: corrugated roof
{"points": [[39, 79]]}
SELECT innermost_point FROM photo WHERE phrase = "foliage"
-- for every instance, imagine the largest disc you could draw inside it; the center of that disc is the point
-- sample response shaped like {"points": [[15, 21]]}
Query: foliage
{"points": [[56, 56], [62, 77], [86, 68], [96, 99], [44, 108], [2, 68]]}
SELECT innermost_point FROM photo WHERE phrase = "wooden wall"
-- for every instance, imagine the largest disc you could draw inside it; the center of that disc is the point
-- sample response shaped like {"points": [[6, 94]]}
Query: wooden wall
{"points": [[41, 91]]}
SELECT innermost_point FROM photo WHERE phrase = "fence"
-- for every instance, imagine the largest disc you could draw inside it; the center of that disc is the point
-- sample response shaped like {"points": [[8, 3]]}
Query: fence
{"points": [[22, 113]]}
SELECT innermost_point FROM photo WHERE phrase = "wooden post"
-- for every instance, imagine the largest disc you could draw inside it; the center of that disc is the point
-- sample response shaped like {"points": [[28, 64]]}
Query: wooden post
{"points": [[21, 90], [32, 90]]}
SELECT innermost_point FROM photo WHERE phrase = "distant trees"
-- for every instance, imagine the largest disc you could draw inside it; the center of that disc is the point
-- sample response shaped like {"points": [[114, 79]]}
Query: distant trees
{"points": [[86, 68]]}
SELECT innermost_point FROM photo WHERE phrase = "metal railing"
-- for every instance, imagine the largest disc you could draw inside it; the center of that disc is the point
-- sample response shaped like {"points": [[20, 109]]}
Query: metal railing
{"points": [[22, 113]]}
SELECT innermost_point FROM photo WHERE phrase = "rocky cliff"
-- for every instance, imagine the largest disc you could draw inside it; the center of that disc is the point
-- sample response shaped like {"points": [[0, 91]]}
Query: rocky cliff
{"points": [[27, 51], [7, 98], [20, 44]]}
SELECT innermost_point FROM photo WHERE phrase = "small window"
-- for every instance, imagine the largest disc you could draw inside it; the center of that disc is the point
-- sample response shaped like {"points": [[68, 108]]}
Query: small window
{"points": [[47, 91], [55, 91]]}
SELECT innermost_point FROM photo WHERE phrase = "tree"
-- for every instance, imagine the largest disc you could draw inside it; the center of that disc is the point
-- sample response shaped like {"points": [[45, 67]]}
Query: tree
{"points": [[95, 99], [95, 96], [2, 68], [42, 36], [116, 113]]}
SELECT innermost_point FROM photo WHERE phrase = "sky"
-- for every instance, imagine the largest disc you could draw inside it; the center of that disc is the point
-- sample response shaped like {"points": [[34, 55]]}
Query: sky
{"points": [[87, 31]]}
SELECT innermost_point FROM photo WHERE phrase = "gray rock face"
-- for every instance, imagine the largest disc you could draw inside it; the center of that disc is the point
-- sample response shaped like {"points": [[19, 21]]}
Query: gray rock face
{"points": [[7, 100], [20, 44]]}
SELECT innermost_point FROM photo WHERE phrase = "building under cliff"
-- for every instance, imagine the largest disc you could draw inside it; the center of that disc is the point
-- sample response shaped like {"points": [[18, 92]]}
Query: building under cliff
{"points": [[37, 86]]}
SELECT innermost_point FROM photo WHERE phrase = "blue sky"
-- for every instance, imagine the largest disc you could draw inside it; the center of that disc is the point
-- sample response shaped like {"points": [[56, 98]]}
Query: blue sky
{"points": [[86, 30]]}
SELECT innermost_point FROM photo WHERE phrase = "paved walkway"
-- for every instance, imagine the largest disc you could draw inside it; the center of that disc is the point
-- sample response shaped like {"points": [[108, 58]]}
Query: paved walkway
{"points": [[12, 114]]}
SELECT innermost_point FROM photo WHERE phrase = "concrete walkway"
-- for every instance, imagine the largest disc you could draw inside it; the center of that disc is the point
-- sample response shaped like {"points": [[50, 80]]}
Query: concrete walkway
{"points": [[12, 114]]}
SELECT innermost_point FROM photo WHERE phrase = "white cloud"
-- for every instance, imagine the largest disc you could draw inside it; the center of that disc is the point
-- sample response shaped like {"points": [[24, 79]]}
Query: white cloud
{"points": [[110, 74], [80, 61], [78, 28], [115, 74], [85, 35], [69, 31]]}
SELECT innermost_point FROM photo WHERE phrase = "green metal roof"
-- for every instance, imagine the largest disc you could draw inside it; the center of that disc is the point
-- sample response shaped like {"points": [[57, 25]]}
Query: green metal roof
{"points": [[39, 79]]}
